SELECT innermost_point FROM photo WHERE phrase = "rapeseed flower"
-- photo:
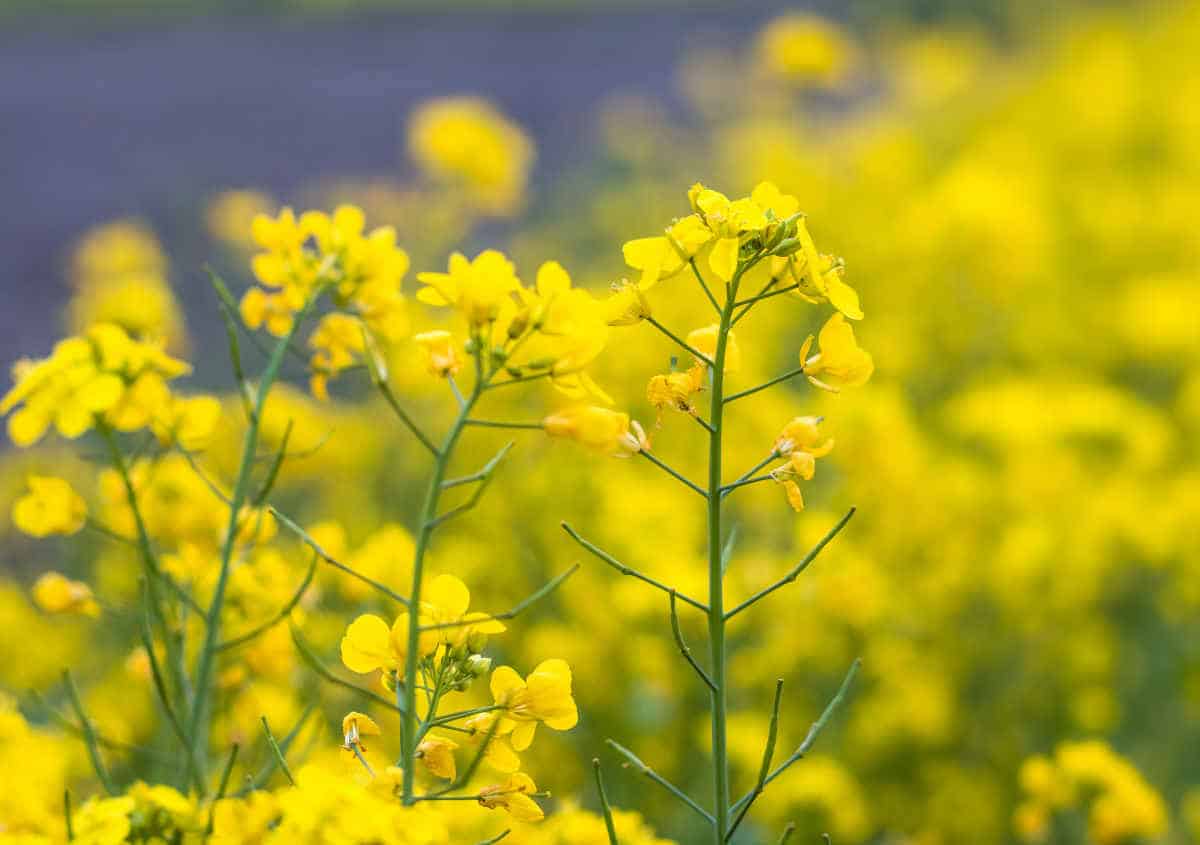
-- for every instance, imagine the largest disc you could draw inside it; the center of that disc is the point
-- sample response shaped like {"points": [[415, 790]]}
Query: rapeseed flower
{"points": [[50, 507], [544, 696]]}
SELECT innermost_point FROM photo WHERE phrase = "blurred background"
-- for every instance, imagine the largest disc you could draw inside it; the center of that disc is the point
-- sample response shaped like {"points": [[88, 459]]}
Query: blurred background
{"points": [[1015, 188]]}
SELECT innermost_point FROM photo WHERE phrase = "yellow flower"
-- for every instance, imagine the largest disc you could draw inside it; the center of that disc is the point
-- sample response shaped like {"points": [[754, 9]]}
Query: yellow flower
{"points": [[675, 390], [259, 308], [444, 601], [55, 593], [355, 726], [188, 421], [499, 753], [468, 142], [338, 342], [104, 373], [819, 277], [656, 257], [599, 429], [103, 821], [437, 754], [476, 288], [369, 644], [704, 341], [50, 507], [841, 361], [800, 442], [545, 696], [805, 50], [441, 353], [627, 305], [513, 797]]}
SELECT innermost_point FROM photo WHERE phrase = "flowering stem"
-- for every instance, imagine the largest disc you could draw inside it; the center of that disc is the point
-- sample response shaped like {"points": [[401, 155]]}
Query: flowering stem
{"points": [[765, 767], [697, 354], [790, 374], [428, 521], [716, 572], [204, 664], [683, 648]]}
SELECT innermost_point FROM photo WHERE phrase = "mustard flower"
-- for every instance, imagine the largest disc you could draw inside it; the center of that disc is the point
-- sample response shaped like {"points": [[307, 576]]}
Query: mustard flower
{"points": [[54, 593], [437, 755], [674, 391], [104, 821], [102, 375], [50, 507], [355, 726], [369, 644], [818, 277], [599, 429], [444, 601], [468, 142], [513, 797], [841, 362], [800, 442], [626, 305], [544, 696], [441, 353], [475, 288], [498, 753], [805, 50], [187, 420]]}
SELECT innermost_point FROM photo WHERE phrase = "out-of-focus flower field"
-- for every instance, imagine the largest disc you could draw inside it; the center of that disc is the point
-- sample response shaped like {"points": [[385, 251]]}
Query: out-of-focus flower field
{"points": [[1021, 579]]}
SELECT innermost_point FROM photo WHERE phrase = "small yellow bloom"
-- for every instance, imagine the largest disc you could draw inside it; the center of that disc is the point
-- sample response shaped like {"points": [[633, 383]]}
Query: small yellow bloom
{"points": [[800, 442], [599, 429], [674, 391], [805, 50], [53, 592], [704, 341], [841, 361], [499, 752], [476, 288], [544, 696], [441, 353], [437, 754], [355, 726], [369, 644], [627, 305], [819, 277], [513, 797], [50, 507], [444, 601]]}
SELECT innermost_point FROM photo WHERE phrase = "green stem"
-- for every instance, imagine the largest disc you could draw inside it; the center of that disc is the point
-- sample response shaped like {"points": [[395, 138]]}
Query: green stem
{"points": [[206, 660], [427, 522], [716, 585]]}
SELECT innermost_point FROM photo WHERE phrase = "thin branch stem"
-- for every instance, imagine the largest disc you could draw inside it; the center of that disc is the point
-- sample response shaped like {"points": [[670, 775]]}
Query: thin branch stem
{"points": [[765, 768], [813, 732], [604, 805], [543, 591], [309, 541], [661, 781], [766, 295], [482, 473], [281, 615], [536, 426], [696, 353], [314, 663], [684, 650], [89, 734], [386, 391], [795, 570], [626, 570], [665, 468], [277, 752], [790, 374]]}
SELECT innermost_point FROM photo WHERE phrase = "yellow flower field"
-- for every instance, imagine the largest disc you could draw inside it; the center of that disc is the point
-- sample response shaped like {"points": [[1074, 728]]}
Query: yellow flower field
{"points": [[818, 460]]}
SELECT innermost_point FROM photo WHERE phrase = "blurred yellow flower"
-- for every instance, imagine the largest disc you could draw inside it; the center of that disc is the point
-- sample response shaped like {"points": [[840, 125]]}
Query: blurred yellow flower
{"points": [[50, 507], [53, 592], [599, 429], [441, 353], [475, 288], [805, 50], [467, 142], [704, 341]]}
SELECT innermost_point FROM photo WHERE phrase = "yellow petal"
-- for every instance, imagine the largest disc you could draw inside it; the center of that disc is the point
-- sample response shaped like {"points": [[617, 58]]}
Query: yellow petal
{"points": [[449, 596], [366, 645], [724, 258]]}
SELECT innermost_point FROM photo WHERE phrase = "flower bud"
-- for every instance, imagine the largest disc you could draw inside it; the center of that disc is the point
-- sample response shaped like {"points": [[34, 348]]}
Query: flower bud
{"points": [[478, 665]]}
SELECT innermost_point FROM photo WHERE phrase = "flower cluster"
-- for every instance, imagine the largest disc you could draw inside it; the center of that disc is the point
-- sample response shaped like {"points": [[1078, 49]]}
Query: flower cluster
{"points": [[1120, 806]]}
